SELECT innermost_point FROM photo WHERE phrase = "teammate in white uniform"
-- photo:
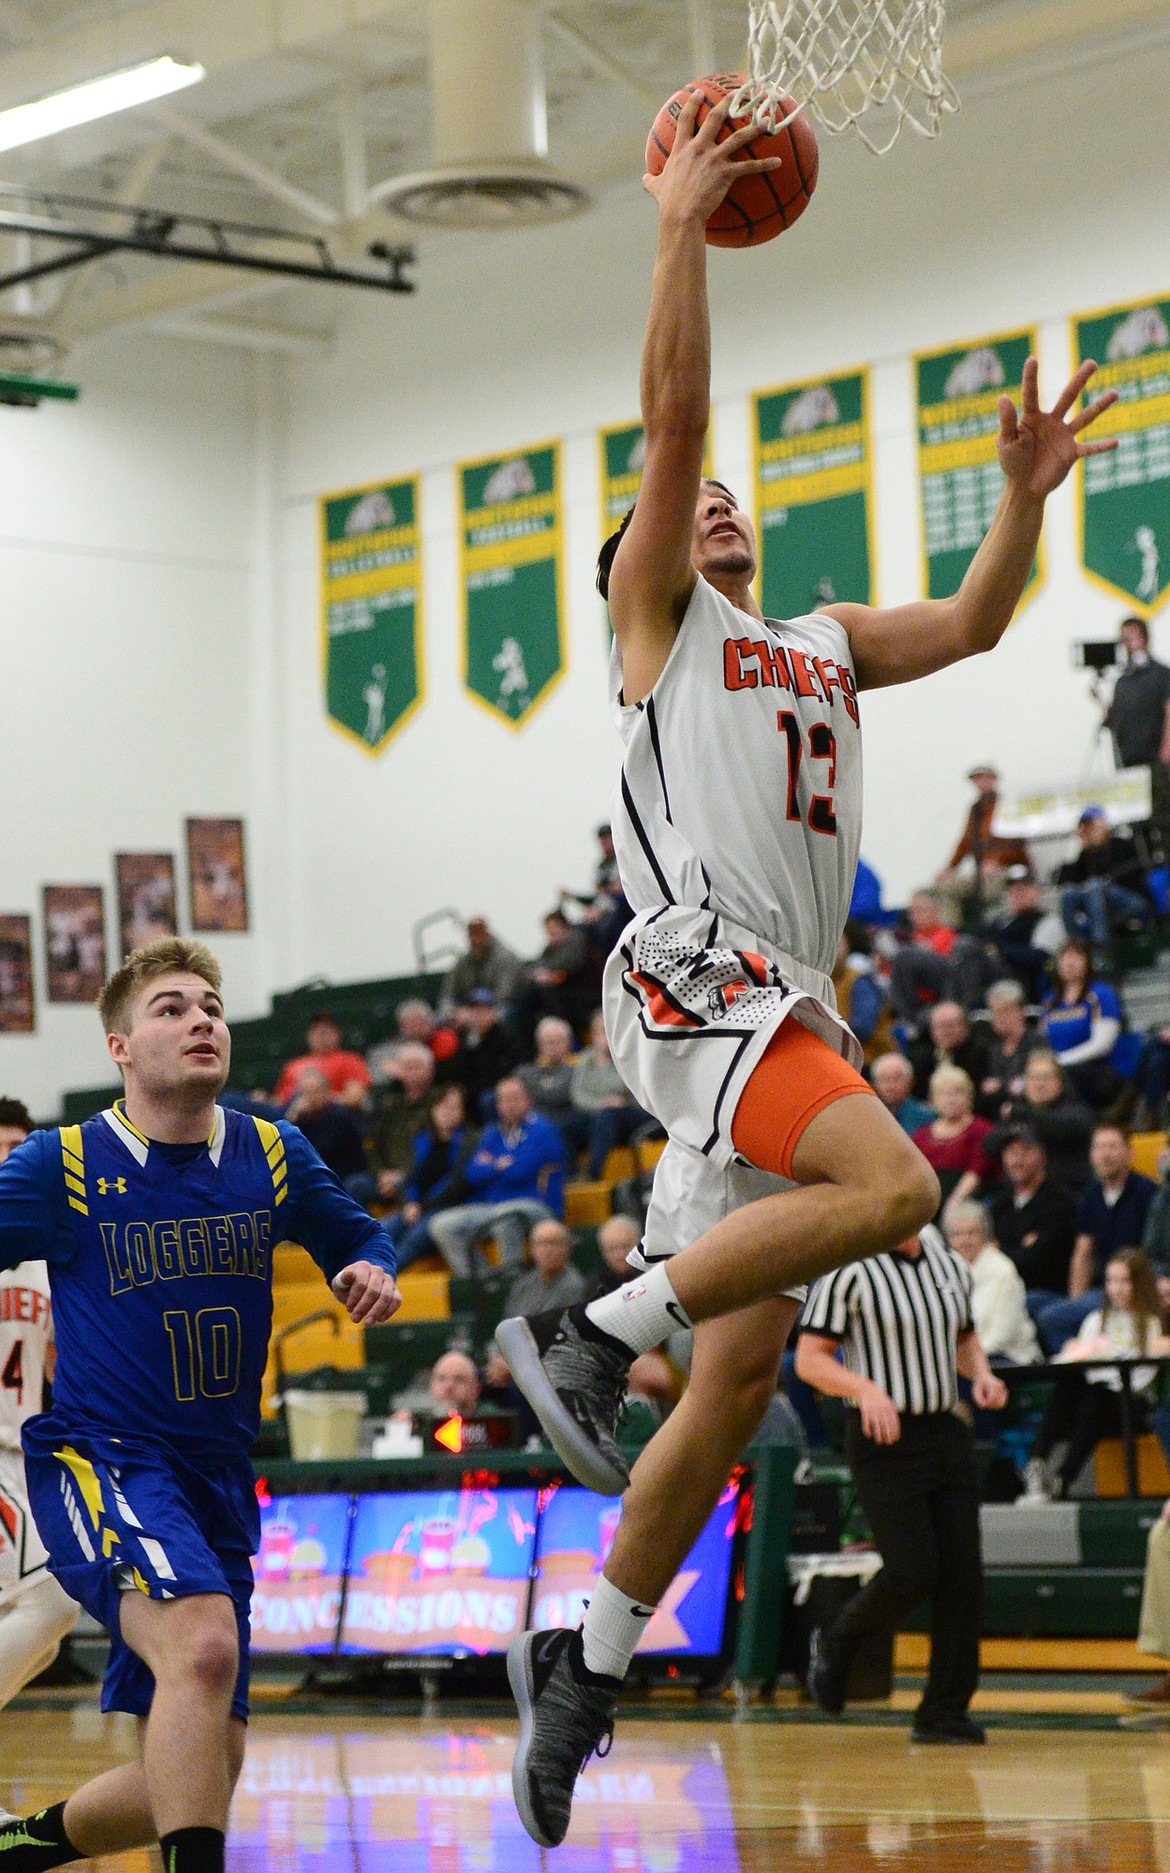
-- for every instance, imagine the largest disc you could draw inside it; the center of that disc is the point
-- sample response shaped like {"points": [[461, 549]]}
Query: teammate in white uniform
{"points": [[35, 1613], [737, 834]]}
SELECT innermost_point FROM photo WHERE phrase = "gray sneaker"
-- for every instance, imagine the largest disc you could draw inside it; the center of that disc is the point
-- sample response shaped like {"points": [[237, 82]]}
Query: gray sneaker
{"points": [[575, 1380], [566, 1714]]}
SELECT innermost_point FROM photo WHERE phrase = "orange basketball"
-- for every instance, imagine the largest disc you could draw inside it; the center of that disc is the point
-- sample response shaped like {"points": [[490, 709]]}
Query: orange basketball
{"points": [[759, 207]]}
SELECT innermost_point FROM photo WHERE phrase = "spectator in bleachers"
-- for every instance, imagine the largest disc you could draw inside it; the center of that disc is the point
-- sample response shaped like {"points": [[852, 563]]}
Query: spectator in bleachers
{"points": [[549, 1078], [998, 1298], [1103, 888], [563, 979], [1111, 1217], [953, 1142], [515, 1178], [1022, 933], [552, 1283], [418, 1025], [1151, 1081], [1086, 1406], [1138, 717], [603, 912], [1034, 1219], [488, 964], [861, 999], [454, 1385], [616, 1238], [1014, 1042], [892, 1078], [935, 964], [436, 1179], [401, 1101], [328, 1124], [1081, 1021], [1156, 1235], [347, 1074], [998, 1301], [487, 1051], [603, 1113], [950, 1041], [1061, 1121], [976, 867]]}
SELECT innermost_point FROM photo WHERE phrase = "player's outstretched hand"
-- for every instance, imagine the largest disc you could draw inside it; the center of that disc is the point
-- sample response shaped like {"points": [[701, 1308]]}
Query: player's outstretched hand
{"points": [[699, 171], [370, 1293], [1038, 447]]}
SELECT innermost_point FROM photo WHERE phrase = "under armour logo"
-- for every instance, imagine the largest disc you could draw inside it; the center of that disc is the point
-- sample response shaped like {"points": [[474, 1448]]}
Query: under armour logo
{"points": [[115, 1186]]}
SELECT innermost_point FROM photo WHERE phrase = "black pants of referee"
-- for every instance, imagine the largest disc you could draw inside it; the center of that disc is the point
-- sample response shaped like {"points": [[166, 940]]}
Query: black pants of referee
{"points": [[921, 1496]]}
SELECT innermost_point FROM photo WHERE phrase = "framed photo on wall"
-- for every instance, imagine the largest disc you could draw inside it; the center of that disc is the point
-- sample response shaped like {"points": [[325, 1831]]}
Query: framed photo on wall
{"points": [[147, 907], [17, 1009], [75, 941], [215, 869]]}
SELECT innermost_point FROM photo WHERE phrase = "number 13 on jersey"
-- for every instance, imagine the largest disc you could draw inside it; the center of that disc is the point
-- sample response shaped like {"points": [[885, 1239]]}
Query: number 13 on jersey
{"points": [[822, 746]]}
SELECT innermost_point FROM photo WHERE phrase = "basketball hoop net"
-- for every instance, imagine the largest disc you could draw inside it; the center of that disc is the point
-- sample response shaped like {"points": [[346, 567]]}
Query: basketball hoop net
{"points": [[866, 65]]}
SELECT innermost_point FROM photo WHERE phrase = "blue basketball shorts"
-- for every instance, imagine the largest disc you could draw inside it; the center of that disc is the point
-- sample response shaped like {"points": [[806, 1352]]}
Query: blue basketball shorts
{"points": [[120, 1516]]}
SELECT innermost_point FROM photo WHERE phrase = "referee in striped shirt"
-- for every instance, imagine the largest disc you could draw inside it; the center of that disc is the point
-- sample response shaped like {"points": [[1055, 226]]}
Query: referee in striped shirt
{"points": [[902, 1324]]}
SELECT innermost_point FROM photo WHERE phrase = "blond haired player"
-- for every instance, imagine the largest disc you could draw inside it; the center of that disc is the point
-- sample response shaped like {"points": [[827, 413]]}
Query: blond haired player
{"points": [[737, 825], [158, 1219], [35, 1613]]}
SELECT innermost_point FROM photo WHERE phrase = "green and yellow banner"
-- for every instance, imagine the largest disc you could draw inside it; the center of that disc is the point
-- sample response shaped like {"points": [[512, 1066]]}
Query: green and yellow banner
{"points": [[959, 472], [1124, 497], [623, 457], [371, 609], [813, 494], [512, 578]]}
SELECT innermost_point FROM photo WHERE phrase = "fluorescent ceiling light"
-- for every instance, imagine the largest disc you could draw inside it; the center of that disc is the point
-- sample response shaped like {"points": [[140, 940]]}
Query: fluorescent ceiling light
{"points": [[98, 97]]}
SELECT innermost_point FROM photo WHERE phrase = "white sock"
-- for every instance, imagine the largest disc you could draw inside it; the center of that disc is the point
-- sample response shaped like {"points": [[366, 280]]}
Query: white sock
{"points": [[611, 1629], [642, 1313]]}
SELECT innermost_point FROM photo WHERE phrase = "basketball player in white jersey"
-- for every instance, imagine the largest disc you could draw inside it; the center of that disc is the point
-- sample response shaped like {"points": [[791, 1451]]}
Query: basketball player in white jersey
{"points": [[737, 826], [35, 1613]]}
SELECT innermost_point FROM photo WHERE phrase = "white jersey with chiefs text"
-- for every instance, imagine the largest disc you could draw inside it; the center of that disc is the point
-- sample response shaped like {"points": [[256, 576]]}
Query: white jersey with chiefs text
{"points": [[26, 1323], [740, 789]]}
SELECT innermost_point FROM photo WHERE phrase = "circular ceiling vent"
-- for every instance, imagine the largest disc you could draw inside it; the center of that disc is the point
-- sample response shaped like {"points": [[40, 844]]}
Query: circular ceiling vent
{"points": [[488, 195]]}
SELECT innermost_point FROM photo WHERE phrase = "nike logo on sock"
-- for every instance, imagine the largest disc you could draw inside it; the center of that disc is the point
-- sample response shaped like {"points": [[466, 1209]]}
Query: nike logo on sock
{"points": [[676, 1313], [642, 1612]]}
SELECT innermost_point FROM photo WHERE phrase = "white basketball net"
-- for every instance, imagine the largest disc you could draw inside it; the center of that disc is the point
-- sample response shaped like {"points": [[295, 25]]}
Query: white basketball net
{"points": [[866, 65]]}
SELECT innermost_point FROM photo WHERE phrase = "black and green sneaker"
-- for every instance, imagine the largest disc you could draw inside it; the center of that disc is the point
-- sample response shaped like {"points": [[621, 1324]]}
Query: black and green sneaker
{"points": [[566, 1715], [574, 1377]]}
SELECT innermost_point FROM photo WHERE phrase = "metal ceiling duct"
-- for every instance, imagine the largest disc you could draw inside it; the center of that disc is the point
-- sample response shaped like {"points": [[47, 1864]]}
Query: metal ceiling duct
{"points": [[490, 124]]}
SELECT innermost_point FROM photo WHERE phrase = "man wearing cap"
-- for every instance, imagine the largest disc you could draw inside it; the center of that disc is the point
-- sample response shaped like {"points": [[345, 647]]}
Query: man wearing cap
{"points": [[1138, 717], [990, 854], [1105, 884], [485, 964], [1034, 1219], [1023, 933]]}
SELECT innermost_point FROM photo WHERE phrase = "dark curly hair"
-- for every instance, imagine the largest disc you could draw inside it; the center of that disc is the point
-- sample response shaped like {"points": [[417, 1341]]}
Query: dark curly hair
{"points": [[605, 558]]}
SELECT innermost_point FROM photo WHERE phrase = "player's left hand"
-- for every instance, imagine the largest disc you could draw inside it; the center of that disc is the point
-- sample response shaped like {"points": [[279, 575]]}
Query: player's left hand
{"points": [[370, 1293], [989, 1392], [1038, 447]]}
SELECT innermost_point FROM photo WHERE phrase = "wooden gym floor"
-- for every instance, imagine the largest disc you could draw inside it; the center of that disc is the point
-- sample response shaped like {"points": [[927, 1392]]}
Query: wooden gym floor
{"points": [[687, 1789]]}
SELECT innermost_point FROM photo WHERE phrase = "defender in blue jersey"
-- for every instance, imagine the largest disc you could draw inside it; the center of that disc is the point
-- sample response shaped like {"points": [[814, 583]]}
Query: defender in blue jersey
{"points": [[158, 1220]]}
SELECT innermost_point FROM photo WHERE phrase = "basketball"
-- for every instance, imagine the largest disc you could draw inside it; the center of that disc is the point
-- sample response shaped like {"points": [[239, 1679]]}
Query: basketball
{"points": [[759, 207]]}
